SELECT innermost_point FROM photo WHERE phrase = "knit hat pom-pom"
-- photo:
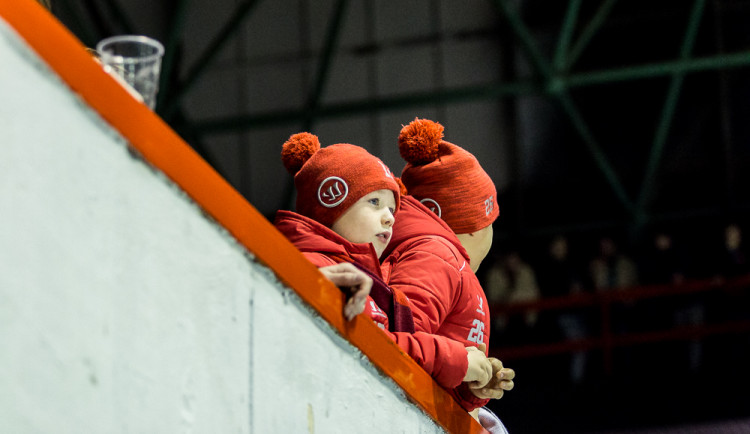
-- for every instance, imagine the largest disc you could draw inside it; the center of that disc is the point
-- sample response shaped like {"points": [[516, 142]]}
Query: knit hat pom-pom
{"points": [[297, 150], [418, 142]]}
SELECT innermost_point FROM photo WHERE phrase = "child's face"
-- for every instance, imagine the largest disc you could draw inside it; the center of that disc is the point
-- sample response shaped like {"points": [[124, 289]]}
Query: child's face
{"points": [[369, 220]]}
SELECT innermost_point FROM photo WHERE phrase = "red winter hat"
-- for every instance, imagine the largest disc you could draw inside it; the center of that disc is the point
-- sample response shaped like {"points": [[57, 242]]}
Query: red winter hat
{"points": [[446, 178], [329, 180]]}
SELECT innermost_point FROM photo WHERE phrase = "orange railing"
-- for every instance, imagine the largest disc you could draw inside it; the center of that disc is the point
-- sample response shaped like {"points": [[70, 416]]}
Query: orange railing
{"points": [[605, 338]]}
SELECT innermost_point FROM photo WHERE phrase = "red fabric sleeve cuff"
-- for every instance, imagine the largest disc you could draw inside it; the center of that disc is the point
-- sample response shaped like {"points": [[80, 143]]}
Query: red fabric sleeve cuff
{"points": [[466, 398]]}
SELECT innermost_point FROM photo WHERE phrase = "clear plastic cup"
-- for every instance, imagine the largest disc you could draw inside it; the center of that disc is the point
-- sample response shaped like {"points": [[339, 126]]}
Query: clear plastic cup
{"points": [[137, 60]]}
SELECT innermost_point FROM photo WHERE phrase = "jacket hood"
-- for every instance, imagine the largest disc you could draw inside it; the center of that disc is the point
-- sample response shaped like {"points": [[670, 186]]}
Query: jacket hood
{"points": [[310, 236], [415, 220]]}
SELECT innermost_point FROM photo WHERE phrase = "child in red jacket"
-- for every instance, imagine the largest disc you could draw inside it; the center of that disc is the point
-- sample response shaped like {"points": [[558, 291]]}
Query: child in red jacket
{"points": [[346, 201], [443, 233]]}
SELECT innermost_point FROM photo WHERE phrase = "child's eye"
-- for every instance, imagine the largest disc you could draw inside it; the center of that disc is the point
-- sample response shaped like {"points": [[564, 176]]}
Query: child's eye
{"points": [[375, 201], [393, 210]]}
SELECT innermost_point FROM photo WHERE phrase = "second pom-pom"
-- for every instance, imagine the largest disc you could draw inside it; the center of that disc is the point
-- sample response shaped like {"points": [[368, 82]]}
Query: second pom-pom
{"points": [[419, 141]]}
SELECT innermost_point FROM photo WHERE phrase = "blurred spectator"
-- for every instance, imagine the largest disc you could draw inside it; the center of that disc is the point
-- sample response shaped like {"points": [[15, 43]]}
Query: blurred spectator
{"points": [[733, 257], [511, 280], [661, 263], [559, 275], [731, 261], [611, 269], [690, 312]]}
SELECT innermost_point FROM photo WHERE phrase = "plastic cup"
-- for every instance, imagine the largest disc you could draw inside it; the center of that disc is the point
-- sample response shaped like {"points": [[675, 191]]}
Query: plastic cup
{"points": [[137, 60]]}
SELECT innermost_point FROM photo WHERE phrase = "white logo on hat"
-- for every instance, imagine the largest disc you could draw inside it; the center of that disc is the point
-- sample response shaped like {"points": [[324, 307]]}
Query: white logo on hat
{"points": [[489, 205], [332, 191], [386, 170], [432, 206]]}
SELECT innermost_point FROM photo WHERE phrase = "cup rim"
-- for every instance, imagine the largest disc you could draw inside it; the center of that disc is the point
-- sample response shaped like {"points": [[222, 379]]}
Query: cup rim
{"points": [[131, 38]]}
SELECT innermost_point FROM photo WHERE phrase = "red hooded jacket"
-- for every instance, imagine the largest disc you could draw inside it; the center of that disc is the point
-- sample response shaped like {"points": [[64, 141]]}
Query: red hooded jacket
{"points": [[427, 262], [444, 359]]}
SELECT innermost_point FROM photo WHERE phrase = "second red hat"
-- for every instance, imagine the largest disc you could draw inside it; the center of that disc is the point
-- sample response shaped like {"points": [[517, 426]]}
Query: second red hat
{"points": [[446, 178]]}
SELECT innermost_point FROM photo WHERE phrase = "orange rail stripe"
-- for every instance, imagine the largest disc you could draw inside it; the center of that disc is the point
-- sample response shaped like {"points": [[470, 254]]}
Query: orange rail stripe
{"points": [[164, 149]]}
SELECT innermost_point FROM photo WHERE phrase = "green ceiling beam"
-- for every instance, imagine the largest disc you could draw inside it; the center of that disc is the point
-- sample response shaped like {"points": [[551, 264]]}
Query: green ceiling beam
{"points": [[566, 33], [474, 93], [556, 86], [667, 115], [524, 38], [600, 16], [205, 59], [569, 107], [652, 70], [593, 147], [368, 105]]}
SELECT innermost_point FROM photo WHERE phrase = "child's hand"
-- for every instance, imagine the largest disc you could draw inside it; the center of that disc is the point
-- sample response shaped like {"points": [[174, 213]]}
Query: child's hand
{"points": [[354, 282], [480, 369], [501, 381]]}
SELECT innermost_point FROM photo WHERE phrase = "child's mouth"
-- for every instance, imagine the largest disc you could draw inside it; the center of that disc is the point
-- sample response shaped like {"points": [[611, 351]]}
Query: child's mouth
{"points": [[384, 237]]}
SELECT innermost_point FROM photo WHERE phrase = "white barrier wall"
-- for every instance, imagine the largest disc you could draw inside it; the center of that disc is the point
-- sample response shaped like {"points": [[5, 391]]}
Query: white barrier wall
{"points": [[124, 309]]}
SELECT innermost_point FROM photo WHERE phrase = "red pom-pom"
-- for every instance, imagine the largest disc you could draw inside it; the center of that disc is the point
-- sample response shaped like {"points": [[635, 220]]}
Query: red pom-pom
{"points": [[297, 150], [418, 142]]}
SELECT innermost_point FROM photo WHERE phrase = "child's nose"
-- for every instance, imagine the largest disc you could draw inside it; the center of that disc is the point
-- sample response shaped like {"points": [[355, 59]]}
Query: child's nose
{"points": [[388, 218]]}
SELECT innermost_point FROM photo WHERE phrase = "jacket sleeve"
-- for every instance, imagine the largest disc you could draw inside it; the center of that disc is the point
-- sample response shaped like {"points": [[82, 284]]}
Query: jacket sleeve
{"points": [[466, 399], [443, 358], [428, 275], [318, 259], [372, 310]]}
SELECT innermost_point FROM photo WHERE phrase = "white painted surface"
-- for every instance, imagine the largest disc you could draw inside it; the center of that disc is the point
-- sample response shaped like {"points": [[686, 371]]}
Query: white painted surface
{"points": [[122, 309]]}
